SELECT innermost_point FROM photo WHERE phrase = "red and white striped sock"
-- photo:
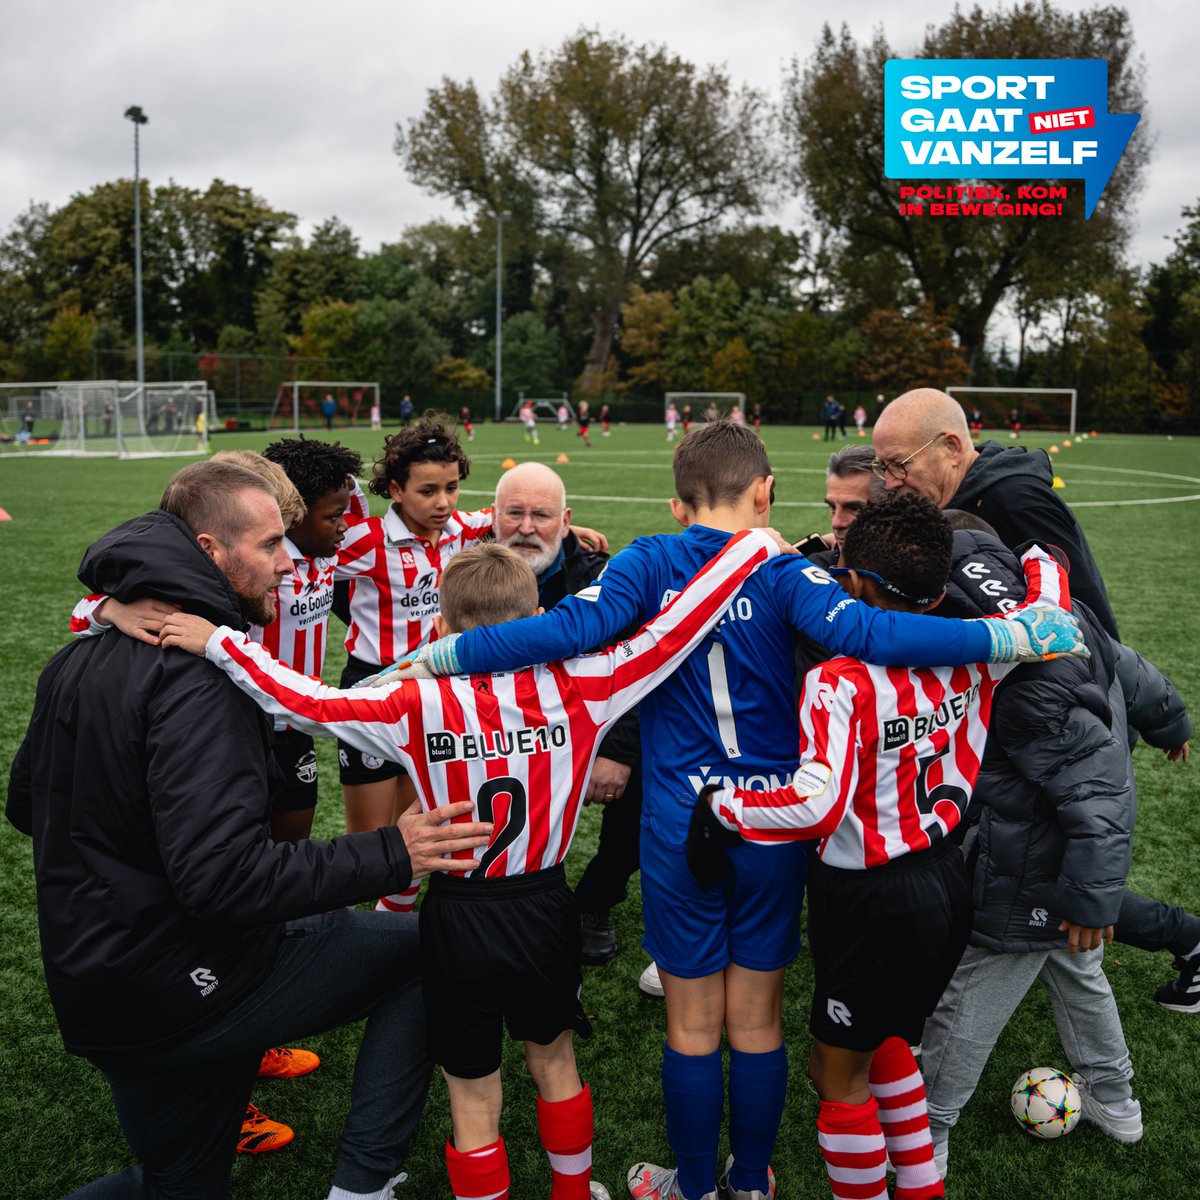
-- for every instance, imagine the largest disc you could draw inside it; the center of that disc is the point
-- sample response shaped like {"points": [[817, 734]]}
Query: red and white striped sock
{"points": [[478, 1174], [566, 1129], [399, 901], [899, 1091], [852, 1147]]}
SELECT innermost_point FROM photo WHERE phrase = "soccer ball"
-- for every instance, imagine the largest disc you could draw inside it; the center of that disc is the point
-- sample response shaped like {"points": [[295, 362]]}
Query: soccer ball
{"points": [[1046, 1103]]}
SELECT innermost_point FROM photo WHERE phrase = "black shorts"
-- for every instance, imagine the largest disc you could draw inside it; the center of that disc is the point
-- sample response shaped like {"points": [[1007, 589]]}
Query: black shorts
{"points": [[298, 761], [496, 950], [356, 766], [885, 943]]}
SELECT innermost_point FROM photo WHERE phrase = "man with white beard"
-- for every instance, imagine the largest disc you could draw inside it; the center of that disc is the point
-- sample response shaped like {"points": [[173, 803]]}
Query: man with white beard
{"points": [[532, 518]]}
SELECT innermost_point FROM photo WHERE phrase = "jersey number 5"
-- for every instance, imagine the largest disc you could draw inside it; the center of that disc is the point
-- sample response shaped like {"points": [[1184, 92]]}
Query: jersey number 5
{"points": [[943, 793], [511, 818]]}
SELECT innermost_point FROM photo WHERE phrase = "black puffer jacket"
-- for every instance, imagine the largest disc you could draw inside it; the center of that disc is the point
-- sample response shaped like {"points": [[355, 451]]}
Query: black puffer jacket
{"points": [[1012, 490], [1056, 793], [144, 779]]}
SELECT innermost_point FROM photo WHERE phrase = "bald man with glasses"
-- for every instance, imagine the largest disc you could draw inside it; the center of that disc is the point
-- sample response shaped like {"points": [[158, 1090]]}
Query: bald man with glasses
{"points": [[923, 444]]}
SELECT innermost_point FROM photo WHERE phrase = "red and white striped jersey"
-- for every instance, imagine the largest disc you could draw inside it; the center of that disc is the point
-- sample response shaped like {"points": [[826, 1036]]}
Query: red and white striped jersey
{"points": [[359, 508], [395, 581], [888, 755], [519, 744], [304, 600], [83, 616]]}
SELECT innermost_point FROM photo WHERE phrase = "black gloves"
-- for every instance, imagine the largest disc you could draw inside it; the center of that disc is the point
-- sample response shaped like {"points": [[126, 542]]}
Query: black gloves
{"points": [[707, 844]]}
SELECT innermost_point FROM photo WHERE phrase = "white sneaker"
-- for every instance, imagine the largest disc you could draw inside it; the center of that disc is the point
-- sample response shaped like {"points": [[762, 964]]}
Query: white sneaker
{"points": [[649, 981], [650, 1182], [599, 1191], [1122, 1121], [724, 1188]]}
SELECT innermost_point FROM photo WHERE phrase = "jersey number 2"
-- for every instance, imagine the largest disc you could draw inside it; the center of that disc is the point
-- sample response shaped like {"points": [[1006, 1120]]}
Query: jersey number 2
{"points": [[515, 818]]}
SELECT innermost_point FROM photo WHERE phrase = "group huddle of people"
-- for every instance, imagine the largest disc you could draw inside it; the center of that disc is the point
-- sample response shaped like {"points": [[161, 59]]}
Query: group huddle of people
{"points": [[951, 800]]}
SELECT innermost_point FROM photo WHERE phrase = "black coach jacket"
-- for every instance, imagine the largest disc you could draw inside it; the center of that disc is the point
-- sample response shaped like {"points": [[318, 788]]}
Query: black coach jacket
{"points": [[1056, 796], [1012, 490], [144, 780]]}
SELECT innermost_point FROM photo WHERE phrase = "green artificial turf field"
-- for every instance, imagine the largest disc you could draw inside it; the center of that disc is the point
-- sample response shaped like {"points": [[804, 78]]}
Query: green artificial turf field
{"points": [[1138, 499]]}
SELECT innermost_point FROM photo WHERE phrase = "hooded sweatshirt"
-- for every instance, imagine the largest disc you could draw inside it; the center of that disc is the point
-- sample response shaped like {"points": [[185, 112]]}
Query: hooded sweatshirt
{"points": [[1011, 488], [145, 780]]}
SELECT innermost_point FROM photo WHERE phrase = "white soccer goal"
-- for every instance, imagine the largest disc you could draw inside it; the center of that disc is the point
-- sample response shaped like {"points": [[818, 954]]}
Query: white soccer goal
{"points": [[706, 406], [303, 398], [114, 418], [545, 408], [1038, 408]]}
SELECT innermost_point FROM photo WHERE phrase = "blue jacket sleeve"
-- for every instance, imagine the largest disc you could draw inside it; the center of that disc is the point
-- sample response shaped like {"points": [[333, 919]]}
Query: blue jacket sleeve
{"points": [[574, 626], [819, 608]]}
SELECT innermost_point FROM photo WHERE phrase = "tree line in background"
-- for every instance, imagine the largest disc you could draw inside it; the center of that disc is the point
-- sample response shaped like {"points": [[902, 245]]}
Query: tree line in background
{"points": [[630, 184]]}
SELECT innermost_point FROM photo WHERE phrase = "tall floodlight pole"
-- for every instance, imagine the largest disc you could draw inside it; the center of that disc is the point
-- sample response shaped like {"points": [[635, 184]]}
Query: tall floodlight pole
{"points": [[134, 113], [501, 217]]}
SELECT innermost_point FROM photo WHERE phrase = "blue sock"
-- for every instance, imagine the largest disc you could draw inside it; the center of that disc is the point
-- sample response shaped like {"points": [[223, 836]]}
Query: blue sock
{"points": [[694, 1099], [757, 1089]]}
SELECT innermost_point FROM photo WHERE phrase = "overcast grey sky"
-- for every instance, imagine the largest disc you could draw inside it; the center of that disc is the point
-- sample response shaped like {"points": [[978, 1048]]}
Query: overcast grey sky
{"points": [[299, 101]]}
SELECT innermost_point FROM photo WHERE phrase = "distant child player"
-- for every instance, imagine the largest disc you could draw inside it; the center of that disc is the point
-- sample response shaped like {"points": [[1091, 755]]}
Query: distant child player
{"points": [[888, 758], [605, 411], [500, 943], [564, 418], [585, 419], [529, 421], [672, 419], [464, 420]]}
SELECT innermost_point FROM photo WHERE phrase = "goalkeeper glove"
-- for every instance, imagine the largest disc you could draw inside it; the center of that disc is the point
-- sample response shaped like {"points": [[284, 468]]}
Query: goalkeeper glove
{"points": [[433, 659], [708, 843], [1036, 634]]}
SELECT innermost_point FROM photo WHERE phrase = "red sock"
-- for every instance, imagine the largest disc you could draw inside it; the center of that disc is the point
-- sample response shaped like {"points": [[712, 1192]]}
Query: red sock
{"points": [[899, 1090], [400, 901], [566, 1131], [478, 1174], [852, 1147]]}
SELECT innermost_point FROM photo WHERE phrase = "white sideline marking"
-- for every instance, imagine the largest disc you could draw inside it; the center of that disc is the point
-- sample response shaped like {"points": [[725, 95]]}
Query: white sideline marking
{"points": [[663, 501]]}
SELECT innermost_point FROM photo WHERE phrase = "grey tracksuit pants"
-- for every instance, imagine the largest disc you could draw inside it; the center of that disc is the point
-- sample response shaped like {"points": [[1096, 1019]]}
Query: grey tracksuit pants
{"points": [[978, 1002]]}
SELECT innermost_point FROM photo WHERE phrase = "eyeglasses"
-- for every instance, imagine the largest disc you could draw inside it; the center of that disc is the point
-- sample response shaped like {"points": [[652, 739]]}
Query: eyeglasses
{"points": [[899, 470], [915, 601], [539, 516]]}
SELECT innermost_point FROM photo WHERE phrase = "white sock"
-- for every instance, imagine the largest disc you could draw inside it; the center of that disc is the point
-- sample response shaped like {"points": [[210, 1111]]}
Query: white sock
{"points": [[384, 1193]]}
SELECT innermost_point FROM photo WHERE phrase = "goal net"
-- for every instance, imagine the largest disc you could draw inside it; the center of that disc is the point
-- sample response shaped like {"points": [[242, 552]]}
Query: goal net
{"points": [[115, 418], [1036, 408], [697, 408], [303, 401]]}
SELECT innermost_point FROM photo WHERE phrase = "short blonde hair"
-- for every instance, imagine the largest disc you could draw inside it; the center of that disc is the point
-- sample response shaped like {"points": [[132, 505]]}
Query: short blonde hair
{"points": [[487, 585], [291, 507]]}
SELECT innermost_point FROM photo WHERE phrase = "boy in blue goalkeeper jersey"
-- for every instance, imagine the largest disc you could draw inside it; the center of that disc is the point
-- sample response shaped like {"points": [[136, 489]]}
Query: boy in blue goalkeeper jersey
{"points": [[728, 714]]}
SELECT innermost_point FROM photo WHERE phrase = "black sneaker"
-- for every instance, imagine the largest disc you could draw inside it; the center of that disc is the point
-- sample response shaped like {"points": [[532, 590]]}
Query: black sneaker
{"points": [[599, 943], [1182, 994]]}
